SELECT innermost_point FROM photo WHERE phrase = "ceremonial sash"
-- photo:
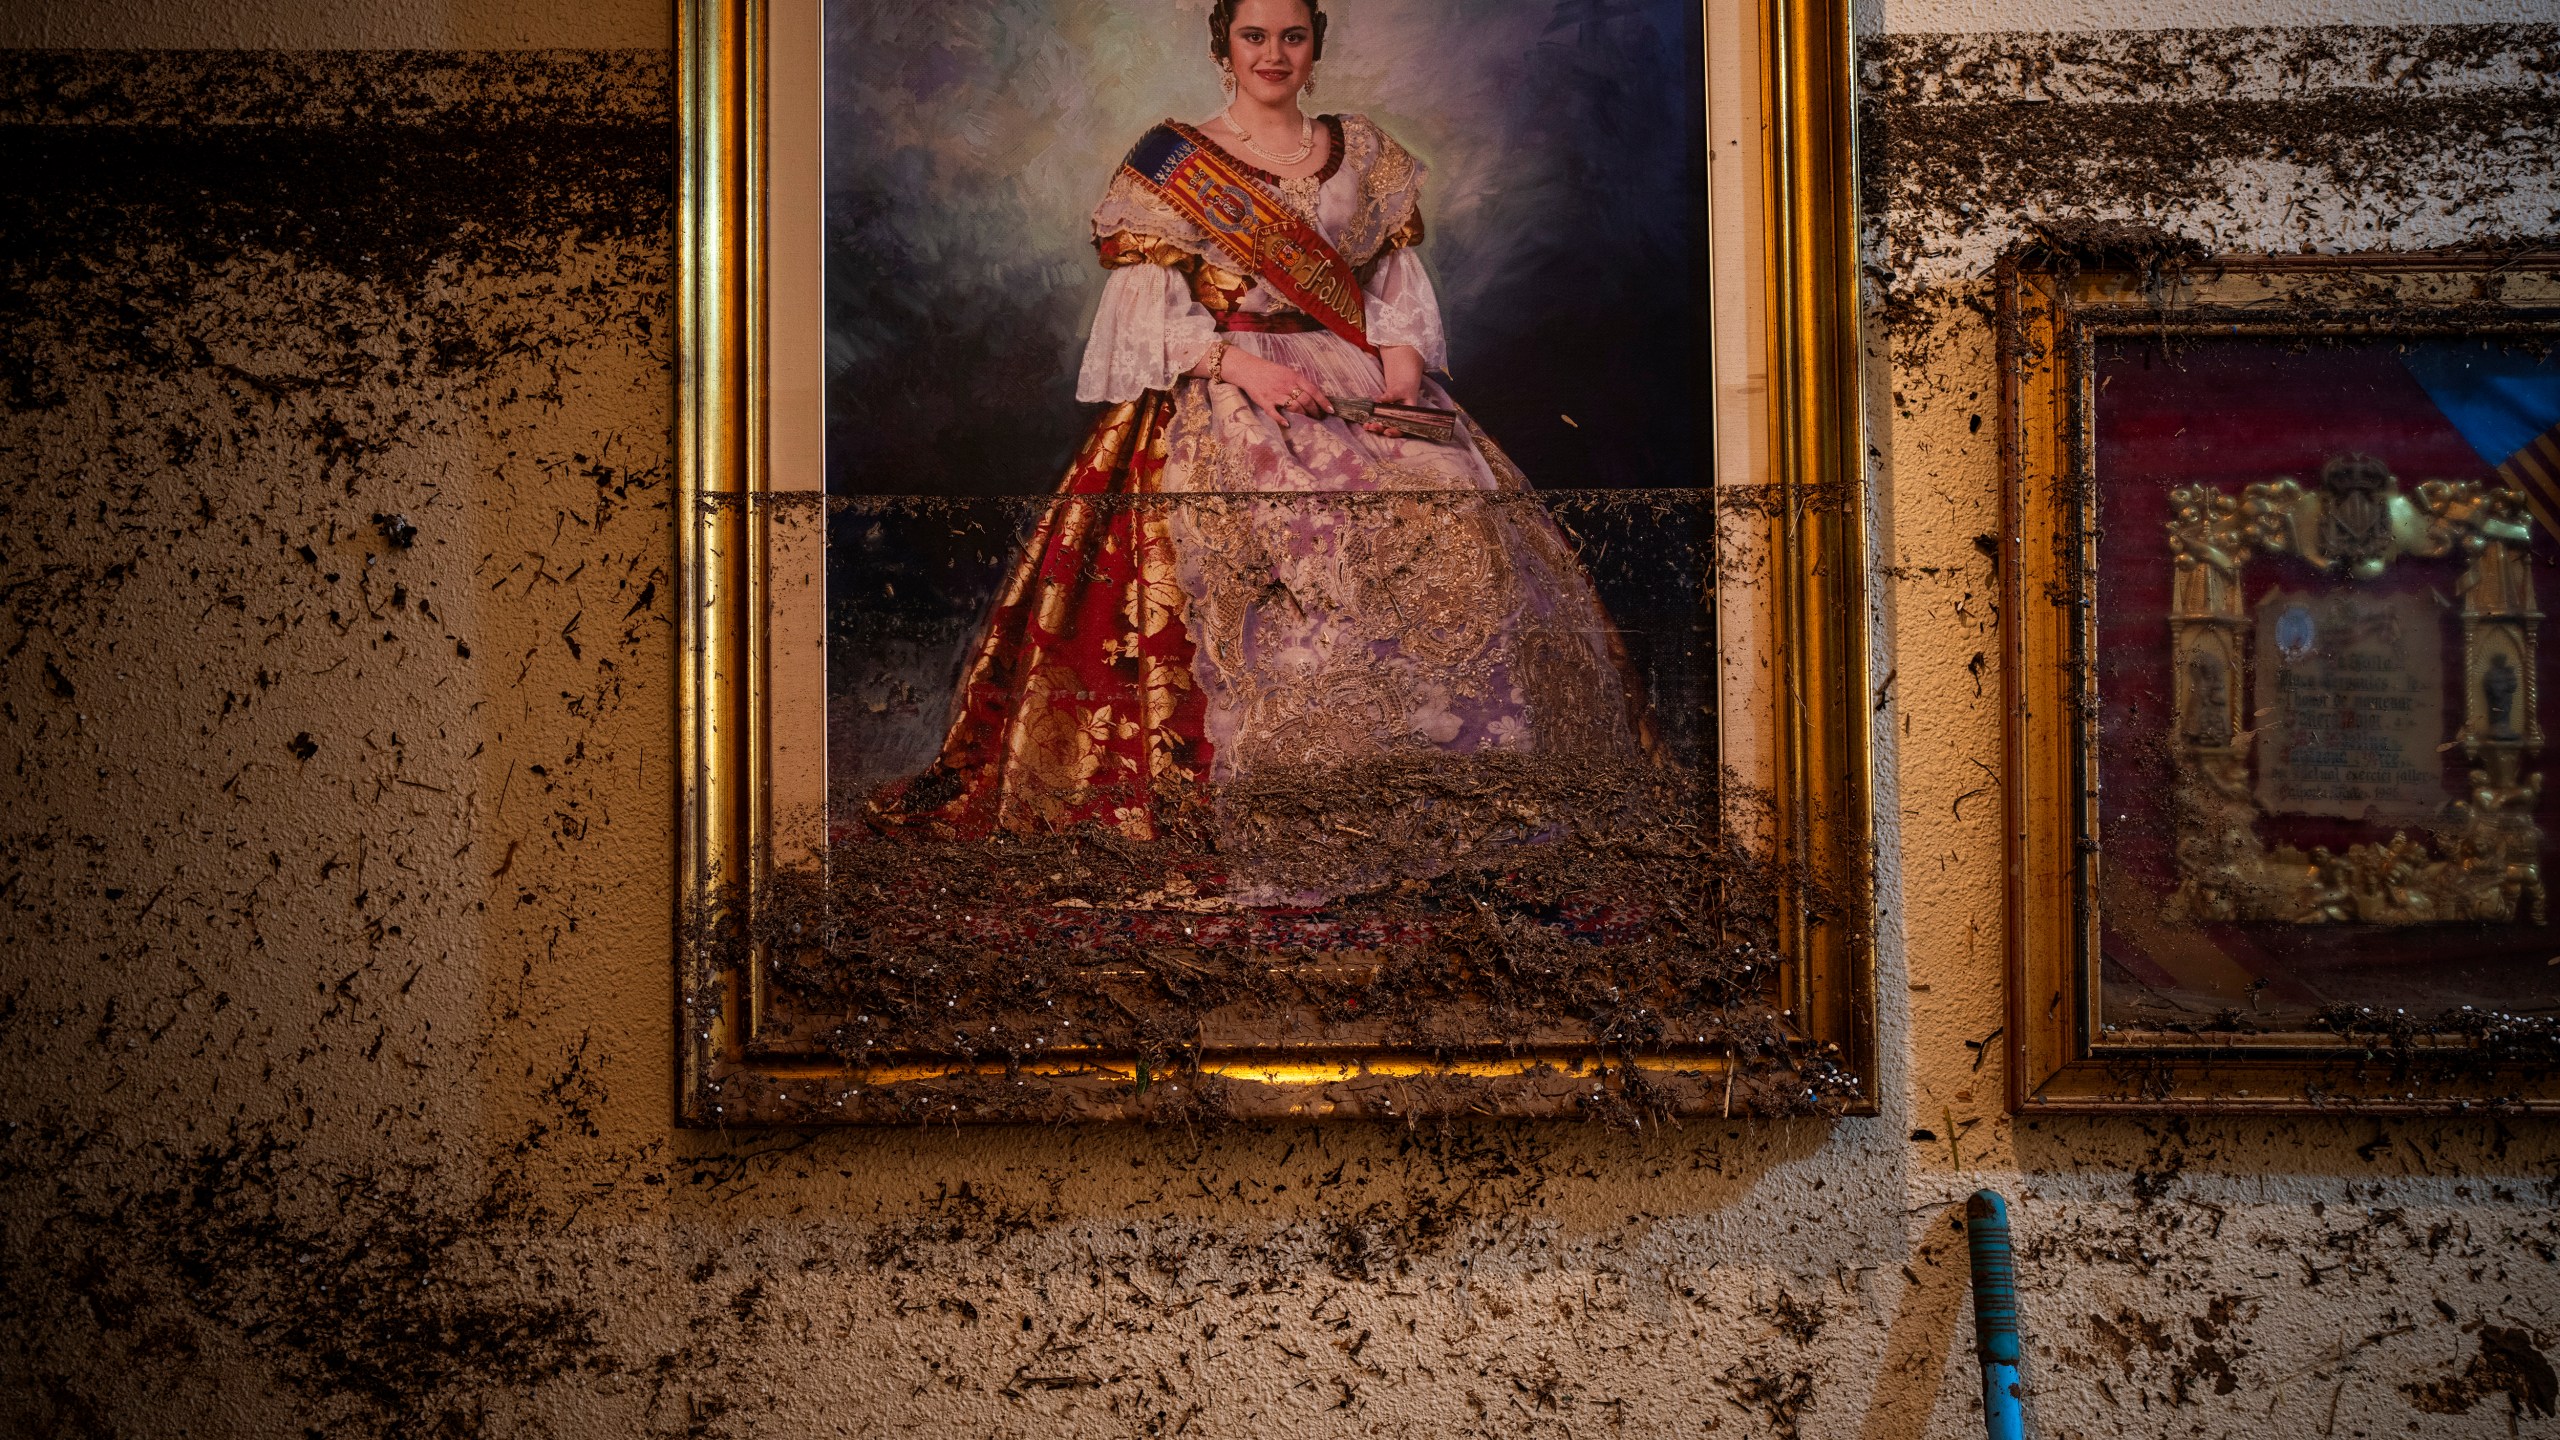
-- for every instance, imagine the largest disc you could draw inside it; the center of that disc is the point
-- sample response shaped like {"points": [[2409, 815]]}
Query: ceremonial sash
{"points": [[1206, 187]]}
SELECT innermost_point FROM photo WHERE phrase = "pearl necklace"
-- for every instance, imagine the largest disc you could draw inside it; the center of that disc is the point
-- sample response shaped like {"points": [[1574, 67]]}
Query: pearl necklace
{"points": [[1306, 137]]}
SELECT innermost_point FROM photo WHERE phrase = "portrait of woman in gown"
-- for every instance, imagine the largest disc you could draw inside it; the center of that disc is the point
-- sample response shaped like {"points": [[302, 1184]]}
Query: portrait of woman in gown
{"points": [[1235, 581]]}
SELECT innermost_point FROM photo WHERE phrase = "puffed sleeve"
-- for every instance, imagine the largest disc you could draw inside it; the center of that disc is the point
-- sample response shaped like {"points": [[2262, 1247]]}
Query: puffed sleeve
{"points": [[1148, 331], [1404, 309]]}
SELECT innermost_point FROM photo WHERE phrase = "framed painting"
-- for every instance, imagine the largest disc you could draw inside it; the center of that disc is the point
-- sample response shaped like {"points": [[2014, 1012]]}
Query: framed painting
{"points": [[1249, 558], [2274, 553]]}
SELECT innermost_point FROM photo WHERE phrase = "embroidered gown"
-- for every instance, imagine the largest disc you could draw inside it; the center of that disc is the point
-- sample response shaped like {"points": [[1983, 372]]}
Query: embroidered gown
{"points": [[1211, 595]]}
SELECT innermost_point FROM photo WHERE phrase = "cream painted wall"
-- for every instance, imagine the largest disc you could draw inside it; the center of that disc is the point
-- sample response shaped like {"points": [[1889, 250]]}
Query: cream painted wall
{"points": [[338, 24], [1937, 17]]}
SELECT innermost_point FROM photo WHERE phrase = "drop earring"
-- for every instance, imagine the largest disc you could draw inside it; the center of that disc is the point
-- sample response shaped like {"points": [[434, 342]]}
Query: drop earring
{"points": [[1227, 80], [1309, 89]]}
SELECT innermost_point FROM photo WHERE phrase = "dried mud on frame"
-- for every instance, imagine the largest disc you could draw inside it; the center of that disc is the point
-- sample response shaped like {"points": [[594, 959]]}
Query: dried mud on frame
{"points": [[2326, 1028], [1512, 934]]}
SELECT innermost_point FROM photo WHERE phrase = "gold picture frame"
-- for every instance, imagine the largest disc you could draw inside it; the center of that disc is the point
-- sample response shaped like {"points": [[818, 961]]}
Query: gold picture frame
{"points": [[1794, 385], [2078, 1041]]}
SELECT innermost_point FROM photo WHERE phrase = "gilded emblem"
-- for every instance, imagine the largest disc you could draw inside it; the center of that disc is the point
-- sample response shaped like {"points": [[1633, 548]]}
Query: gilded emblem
{"points": [[2355, 513], [2472, 855]]}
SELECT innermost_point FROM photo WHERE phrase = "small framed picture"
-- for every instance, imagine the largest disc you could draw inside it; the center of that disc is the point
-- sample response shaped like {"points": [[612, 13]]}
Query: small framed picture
{"points": [[2277, 539]]}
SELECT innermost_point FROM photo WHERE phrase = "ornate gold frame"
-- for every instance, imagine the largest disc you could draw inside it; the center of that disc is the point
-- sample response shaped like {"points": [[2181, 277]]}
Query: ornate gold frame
{"points": [[1815, 534], [2064, 1056]]}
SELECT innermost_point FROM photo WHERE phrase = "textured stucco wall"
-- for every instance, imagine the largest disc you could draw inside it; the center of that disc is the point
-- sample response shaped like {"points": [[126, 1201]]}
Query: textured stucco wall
{"points": [[1958, 17], [333, 871], [339, 24]]}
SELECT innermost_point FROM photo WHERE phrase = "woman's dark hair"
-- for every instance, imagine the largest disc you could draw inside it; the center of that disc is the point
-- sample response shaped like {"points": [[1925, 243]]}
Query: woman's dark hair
{"points": [[1222, 16]]}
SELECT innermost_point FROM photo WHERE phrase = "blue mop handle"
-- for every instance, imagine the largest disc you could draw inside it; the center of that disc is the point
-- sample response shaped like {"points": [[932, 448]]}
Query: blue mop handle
{"points": [[1995, 1314]]}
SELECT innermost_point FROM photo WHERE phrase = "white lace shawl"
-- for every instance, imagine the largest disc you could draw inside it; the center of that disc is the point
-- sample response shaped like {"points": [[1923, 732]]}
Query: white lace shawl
{"points": [[1148, 328]]}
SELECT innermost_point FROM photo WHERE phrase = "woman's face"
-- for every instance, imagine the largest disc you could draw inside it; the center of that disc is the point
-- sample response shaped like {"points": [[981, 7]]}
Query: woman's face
{"points": [[1272, 45]]}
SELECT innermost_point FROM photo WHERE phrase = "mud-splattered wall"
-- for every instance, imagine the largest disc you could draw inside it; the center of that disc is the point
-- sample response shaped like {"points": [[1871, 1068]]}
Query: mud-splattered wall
{"points": [[334, 407]]}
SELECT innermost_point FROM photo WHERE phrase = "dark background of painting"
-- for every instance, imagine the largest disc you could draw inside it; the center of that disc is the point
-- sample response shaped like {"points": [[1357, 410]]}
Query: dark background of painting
{"points": [[2229, 413], [967, 141]]}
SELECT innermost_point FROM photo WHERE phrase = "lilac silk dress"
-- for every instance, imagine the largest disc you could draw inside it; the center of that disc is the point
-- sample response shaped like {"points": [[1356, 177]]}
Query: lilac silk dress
{"points": [[1431, 616]]}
